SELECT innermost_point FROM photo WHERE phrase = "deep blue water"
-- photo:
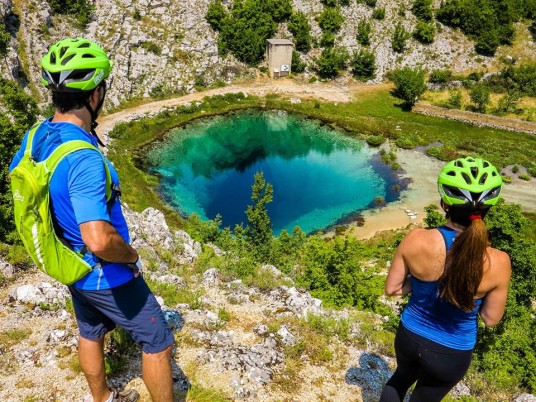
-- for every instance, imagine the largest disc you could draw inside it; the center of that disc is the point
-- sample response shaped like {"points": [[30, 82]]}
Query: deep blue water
{"points": [[319, 175]]}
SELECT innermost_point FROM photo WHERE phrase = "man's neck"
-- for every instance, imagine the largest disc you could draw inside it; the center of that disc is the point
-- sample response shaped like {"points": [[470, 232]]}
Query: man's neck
{"points": [[79, 117]]}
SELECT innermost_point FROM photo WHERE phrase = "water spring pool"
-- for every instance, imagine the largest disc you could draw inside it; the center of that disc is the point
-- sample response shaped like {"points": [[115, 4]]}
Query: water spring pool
{"points": [[319, 175]]}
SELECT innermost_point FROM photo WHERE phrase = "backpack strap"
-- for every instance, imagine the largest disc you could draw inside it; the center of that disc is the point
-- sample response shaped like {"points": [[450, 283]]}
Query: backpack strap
{"points": [[74, 145], [29, 141]]}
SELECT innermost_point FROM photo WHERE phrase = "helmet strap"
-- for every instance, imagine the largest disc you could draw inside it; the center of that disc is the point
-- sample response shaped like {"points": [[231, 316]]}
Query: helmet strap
{"points": [[95, 114]]}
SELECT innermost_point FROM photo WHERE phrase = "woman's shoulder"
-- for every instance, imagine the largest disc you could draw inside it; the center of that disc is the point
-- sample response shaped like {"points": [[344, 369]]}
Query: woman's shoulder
{"points": [[418, 240]]}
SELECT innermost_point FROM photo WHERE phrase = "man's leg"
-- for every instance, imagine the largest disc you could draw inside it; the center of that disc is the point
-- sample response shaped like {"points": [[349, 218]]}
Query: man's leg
{"points": [[91, 356], [157, 375]]}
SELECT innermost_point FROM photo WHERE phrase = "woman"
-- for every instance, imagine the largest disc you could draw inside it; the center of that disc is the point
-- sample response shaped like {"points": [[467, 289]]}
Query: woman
{"points": [[453, 275]]}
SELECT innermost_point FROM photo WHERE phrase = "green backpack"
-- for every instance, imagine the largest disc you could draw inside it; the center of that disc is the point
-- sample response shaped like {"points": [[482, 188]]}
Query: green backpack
{"points": [[30, 181]]}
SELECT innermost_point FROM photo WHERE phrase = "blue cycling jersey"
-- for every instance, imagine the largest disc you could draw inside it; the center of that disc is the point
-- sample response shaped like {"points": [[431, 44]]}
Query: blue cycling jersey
{"points": [[77, 193], [431, 317]]}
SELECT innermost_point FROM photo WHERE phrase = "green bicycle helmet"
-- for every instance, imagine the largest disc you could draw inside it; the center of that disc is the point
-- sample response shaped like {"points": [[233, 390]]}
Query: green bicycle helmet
{"points": [[74, 65], [471, 182]]}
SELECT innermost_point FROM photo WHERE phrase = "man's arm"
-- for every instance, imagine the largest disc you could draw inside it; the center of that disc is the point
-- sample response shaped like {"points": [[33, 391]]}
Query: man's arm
{"points": [[105, 242]]}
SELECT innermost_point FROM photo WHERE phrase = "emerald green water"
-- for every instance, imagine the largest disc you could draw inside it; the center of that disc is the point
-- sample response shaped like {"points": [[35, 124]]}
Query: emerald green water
{"points": [[319, 175]]}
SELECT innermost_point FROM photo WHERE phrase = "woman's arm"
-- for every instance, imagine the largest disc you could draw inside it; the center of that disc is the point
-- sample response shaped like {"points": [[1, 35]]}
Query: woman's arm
{"points": [[494, 303], [398, 279]]}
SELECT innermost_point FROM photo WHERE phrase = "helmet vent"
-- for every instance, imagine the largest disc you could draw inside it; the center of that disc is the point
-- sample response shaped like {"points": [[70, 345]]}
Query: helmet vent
{"points": [[458, 163], [66, 60], [52, 58], [483, 178], [63, 50], [88, 56], [474, 172], [485, 164], [451, 173], [466, 178], [83, 45], [494, 173]]}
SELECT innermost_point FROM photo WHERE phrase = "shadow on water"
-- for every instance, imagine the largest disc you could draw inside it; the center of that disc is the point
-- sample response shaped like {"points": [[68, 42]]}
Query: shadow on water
{"points": [[371, 375]]}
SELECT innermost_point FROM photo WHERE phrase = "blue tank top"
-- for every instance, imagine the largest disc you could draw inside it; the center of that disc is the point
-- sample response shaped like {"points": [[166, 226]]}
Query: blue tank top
{"points": [[431, 317]]}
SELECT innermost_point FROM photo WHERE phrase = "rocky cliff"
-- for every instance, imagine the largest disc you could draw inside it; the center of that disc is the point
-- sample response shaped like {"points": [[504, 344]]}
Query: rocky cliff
{"points": [[166, 46]]}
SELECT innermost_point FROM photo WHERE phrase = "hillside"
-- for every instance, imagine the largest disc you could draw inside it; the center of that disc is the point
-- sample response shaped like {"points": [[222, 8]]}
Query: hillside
{"points": [[246, 329], [167, 47]]}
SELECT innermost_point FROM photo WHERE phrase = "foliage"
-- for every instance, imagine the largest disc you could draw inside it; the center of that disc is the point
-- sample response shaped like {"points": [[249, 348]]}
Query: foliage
{"points": [[80, 9], [375, 140], [409, 84], [245, 29], [300, 28], [327, 39], [440, 76], [152, 47], [363, 65], [424, 32], [479, 95], [5, 38], [399, 38], [331, 61], [488, 22], [514, 78], [455, 100], [433, 218], [216, 15], [378, 13], [259, 230], [363, 32], [298, 66], [330, 19], [422, 9]]}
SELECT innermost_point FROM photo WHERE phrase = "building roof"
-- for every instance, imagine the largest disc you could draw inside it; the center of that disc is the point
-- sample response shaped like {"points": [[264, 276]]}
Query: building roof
{"points": [[279, 42]]}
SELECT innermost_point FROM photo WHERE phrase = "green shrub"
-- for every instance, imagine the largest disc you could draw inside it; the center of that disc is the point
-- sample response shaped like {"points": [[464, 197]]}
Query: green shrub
{"points": [[330, 20], [300, 28], [80, 9], [440, 76], [375, 140], [297, 66], [424, 32], [216, 14], [331, 61], [399, 38], [455, 100], [422, 9], [152, 47], [327, 39], [525, 176], [409, 84], [363, 32], [363, 65], [378, 13], [480, 95]]}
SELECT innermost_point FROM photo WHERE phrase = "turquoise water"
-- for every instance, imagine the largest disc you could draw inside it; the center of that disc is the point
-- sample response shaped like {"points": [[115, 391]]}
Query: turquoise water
{"points": [[319, 176]]}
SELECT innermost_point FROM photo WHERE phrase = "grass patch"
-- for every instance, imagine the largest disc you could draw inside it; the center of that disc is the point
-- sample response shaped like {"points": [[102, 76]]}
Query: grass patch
{"points": [[13, 337], [198, 393], [172, 295]]}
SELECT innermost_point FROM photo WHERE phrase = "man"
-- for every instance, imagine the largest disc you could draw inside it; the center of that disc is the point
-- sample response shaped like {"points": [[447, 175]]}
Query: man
{"points": [[113, 293]]}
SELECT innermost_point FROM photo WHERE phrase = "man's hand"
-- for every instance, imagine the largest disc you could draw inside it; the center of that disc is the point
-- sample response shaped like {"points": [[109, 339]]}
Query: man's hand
{"points": [[105, 242]]}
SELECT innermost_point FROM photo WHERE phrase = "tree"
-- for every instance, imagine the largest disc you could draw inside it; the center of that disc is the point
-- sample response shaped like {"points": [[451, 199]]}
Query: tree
{"points": [[433, 217], [363, 65], [298, 66], [300, 28], [487, 42], [479, 95], [363, 32], [259, 230], [409, 84], [330, 20], [424, 32], [331, 61], [215, 15], [422, 9], [399, 38]]}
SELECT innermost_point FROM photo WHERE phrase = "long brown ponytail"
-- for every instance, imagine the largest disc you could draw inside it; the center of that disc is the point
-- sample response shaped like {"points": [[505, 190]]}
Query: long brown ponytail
{"points": [[464, 266]]}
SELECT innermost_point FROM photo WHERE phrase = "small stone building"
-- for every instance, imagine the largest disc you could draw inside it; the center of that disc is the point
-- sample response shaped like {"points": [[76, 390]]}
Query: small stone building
{"points": [[279, 52]]}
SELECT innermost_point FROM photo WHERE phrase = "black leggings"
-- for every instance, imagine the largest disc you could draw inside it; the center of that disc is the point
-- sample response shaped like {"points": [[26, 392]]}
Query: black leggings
{"points": [[435, 368]]}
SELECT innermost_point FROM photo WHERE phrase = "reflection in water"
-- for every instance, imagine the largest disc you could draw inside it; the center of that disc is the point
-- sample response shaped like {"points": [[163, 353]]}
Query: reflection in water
{"points": [[318, 175]]}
